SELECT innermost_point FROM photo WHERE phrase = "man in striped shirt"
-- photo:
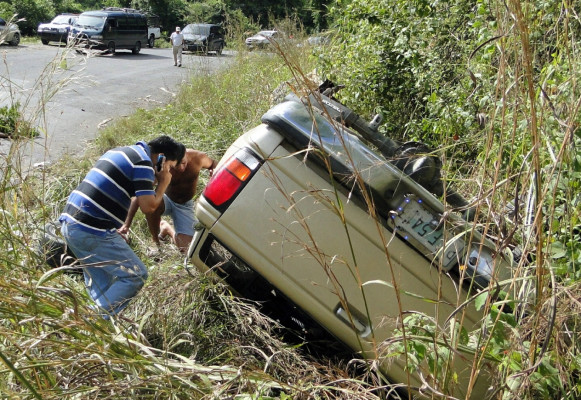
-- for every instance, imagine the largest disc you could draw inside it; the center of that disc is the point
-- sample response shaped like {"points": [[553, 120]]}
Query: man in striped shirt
{"points": [[97, 208]]}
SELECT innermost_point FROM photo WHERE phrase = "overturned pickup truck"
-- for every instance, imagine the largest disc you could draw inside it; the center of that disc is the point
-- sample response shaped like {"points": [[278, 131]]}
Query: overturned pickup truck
{"points": [[304, 215]]}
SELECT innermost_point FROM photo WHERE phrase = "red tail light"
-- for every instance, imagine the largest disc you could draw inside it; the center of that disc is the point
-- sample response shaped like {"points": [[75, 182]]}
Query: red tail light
{"points": [[229, 180]]}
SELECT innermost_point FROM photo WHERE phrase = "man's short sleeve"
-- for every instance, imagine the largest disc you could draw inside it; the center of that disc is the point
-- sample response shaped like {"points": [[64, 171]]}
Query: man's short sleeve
{"points": [[143, 178]]}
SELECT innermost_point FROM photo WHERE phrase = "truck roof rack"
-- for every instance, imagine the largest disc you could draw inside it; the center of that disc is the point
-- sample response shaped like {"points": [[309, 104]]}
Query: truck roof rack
{"points": [[128, 10]]}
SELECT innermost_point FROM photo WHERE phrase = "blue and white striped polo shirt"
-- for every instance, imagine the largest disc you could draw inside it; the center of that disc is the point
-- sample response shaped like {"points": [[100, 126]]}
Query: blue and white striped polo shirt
{"points": [[101, 201]]}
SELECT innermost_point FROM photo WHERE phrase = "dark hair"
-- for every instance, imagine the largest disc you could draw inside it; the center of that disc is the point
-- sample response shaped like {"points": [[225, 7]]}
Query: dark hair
{"points": [[172, 149]]}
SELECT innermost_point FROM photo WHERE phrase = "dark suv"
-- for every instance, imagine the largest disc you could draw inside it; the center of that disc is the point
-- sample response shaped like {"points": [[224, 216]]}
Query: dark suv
{"points": [[204, 38]]}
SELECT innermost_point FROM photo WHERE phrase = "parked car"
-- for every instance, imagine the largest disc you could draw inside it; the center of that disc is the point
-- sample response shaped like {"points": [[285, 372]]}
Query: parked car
{"points": [[58, 29], [9, 33], [302, 216], [262, 39], [109, 30], [204, 38]]}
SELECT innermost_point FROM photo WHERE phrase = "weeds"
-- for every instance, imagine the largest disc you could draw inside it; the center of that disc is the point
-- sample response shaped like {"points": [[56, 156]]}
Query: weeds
{"points": [[181, 333], [12, 124], [187, 337]]}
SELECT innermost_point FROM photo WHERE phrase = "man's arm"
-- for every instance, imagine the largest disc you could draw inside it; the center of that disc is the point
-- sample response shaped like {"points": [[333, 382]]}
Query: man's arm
{"points": [[208, 163], [130, 214], [149, 203]]}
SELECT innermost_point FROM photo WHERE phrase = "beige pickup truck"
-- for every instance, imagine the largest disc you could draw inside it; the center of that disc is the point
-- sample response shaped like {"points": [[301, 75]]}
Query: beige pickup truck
{"points": [[303, 214]]}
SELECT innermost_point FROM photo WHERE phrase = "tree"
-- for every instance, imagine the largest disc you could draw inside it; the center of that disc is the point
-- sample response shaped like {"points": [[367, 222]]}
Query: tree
{"points": [[393, 55], [34, 12], [7, 10]]}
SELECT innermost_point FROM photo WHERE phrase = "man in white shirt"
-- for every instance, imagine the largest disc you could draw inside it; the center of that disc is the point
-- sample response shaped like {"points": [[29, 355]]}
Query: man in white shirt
{"points": [[177, 42]]}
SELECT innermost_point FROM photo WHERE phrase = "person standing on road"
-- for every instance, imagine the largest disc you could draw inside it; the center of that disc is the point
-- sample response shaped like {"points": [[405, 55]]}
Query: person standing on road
{"points": [[177, 43], [177, 202], [96, 210]]}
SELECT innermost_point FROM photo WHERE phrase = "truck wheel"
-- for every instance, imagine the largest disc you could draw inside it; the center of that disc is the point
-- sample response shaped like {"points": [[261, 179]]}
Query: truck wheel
{"points": [[151, 42], [137, 48], [219, 50], [111, 48], [44, 41]]}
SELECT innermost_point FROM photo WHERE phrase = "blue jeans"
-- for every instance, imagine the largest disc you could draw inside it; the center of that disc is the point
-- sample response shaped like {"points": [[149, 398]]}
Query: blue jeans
{"points": [[113, 272]]}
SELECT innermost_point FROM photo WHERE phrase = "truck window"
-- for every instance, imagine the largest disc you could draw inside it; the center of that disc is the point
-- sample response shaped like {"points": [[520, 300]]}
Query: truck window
{"points": [[132, 23], [153, 21], [122, 24], [111, 24]]}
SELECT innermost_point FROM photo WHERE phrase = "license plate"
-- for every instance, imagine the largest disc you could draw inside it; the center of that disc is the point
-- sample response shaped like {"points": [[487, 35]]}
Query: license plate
{"points": [[417, 224]]}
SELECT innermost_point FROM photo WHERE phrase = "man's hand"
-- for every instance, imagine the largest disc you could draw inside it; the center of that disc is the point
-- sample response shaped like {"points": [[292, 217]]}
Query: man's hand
{"points": [[124, 232], [163, 176], [149, 203], [212, 167]]}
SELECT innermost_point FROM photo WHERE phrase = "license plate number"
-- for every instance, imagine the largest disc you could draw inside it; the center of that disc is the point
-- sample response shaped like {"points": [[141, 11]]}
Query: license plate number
{"points": [[421, 227]]}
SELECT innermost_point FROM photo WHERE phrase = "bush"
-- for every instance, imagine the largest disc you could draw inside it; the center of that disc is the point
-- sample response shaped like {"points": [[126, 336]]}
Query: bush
{"points": [[13, 125]]}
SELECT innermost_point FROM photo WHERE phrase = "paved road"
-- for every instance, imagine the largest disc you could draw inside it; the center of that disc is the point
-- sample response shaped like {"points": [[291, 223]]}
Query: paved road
{"points": [[69, 96]]}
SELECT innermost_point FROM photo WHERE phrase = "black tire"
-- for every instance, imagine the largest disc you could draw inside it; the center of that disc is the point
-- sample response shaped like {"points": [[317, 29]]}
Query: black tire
{"points": [[15, 40], [44, 41], [111, 48], [219, 50], [137, 48], [151, 42]]}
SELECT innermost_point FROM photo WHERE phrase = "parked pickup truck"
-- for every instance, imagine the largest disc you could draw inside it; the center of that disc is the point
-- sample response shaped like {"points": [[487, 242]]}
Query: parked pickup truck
{"points": [[304, 215], [153, 29]]}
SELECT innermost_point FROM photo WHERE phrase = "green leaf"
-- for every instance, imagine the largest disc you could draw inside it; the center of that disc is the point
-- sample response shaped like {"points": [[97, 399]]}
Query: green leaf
{"points": [[480, 300]]}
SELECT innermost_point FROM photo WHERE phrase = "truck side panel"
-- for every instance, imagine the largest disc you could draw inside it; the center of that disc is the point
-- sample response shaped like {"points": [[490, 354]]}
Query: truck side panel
{"points": [[336, 277]]}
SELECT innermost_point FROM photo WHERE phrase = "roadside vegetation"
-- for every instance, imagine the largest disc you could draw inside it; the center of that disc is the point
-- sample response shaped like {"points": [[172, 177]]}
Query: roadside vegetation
{"points": [[492, 87]]}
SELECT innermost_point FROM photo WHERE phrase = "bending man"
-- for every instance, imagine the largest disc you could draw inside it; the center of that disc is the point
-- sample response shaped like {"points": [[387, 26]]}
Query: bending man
{"points": [[98, 207]]}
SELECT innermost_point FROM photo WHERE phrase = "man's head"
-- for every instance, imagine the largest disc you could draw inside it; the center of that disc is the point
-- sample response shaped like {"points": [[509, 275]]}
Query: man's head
{"points": [[170, 148], [181, 166]]}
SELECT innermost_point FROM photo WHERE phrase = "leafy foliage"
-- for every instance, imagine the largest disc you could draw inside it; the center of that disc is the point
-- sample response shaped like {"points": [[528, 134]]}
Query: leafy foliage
{"points": [[33, 12], [13, 124], [495, 86]]}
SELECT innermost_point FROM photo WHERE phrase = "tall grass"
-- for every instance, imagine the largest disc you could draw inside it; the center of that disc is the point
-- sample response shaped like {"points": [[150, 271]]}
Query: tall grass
{"points": [[183, 337]]}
